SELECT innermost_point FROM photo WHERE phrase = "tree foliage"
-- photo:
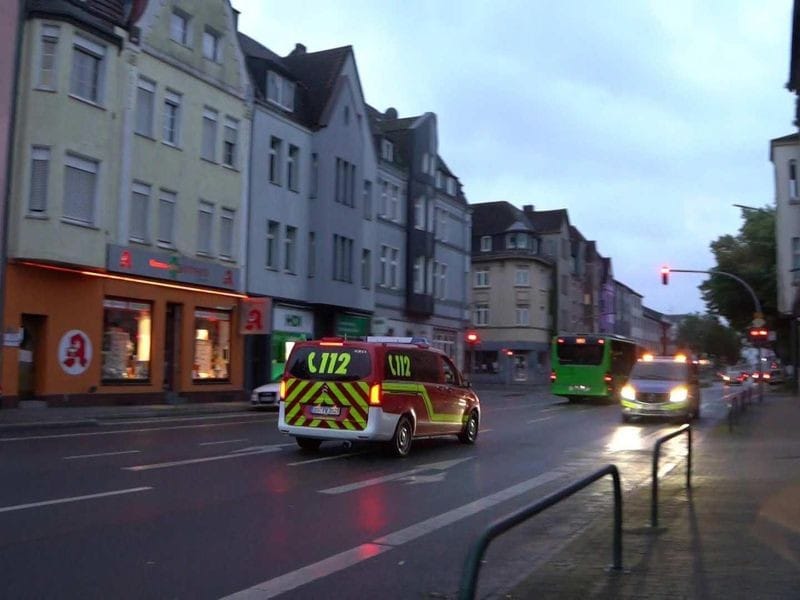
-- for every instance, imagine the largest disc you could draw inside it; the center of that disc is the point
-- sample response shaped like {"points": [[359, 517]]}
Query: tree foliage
{"points": [[704, 334], [750, 255]]}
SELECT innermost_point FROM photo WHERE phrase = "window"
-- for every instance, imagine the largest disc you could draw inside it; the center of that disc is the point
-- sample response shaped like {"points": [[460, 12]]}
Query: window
{"points": [[482, 278], [272, 244], [486, 243], [394, 270], [140, 204], [439, 181], [229, 141], [345, 182], [419, 213], [280, 91], [145, 103], [293, 168], [80, 188], [440, 282], [314, 175], [342, 258], [312, 254], [87, 70], [366, 269], [451, 186], [383, 209], [179, 27], [517, 240], [172, 117], [394, 204], [47, 58], [212, 45], [793, 189], [212, 345], [209, 148], [227, 218], [419, 275], [522, 316], [205, 219], [275, 147], [387, 150], [367, 199], [127, 334], [166, 218], [481, 314], [40, 171], [290, 249], [796, 259], [522, 277], [441, 225]]}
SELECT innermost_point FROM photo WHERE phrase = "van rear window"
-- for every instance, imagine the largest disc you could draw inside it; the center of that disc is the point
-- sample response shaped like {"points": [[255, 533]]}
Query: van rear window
{"points": [[329, 363]]}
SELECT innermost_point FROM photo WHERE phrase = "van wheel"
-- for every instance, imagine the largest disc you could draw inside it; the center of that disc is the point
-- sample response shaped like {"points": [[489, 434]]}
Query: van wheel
{"points": [[470, 433], [400, 445], [308, 443]]}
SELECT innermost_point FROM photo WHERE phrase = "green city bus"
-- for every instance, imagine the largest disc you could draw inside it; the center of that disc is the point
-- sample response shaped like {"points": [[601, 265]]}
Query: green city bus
{"points": [[592, 365]]}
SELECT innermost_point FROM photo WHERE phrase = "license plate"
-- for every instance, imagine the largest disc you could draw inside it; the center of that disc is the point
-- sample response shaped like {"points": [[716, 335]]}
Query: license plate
{"points": [[327, 411]]}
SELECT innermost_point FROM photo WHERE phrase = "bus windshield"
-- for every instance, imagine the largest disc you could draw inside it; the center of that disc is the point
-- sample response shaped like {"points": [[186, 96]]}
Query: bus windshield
{"points": [[580, 354]]}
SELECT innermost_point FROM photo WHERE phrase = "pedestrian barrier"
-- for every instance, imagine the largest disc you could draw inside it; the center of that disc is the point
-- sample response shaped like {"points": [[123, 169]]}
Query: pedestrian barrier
{"points": [[738, 402], [469, 577], [685, 428]]}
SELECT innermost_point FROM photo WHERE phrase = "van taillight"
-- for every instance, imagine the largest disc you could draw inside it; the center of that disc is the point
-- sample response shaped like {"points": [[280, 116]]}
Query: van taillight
{"points": [[282, 390], [607, 378], [552, 375], [375, 395]]}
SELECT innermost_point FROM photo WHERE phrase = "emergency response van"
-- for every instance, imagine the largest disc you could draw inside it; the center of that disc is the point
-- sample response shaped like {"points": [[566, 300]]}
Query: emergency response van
{"points": [[662, 386], [382, 389]]}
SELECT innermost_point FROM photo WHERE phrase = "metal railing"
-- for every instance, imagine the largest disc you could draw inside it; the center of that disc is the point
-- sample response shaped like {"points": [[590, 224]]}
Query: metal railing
{"points": [[738, 402], [469, 577], [685, 428]]}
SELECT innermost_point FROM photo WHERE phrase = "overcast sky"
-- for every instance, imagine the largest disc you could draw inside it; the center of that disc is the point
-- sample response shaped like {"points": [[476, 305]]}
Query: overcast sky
{"points": [[646, 119]]}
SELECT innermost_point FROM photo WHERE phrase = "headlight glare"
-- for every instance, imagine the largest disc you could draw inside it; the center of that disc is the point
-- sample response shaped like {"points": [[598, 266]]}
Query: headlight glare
{"points": [[678, 394], [628, 392]]}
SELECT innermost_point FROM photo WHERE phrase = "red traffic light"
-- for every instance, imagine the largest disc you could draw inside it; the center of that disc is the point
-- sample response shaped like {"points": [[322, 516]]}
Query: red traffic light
{"points": [[665, 275], [472, 338], [759, 335]]}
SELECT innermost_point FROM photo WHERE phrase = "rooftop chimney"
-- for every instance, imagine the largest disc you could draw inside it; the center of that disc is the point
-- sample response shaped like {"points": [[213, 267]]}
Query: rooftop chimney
{"points": [[528, 208], [391, 113], [298, 50]]}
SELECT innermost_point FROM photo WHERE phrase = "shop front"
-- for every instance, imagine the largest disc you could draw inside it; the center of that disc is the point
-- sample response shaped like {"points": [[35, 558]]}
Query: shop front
{"points": [[88, 338], [290, 324]]}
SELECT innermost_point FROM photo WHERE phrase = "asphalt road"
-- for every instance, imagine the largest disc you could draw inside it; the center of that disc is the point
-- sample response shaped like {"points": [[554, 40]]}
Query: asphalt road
{"points": [[213, 507]]}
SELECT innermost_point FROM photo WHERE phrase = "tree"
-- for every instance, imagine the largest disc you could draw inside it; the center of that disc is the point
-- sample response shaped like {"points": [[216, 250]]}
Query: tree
{"points": [[704, 334], [749, 255]]}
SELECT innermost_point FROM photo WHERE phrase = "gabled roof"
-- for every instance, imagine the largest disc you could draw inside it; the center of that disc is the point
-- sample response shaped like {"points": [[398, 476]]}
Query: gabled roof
{"points": [[489, 218], [548, 221], [100, 15]]}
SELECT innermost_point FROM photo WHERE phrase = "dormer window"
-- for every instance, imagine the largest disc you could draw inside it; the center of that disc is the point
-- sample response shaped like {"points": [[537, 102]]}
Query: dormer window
{"points": [[280, 91], [516, 240], [387, 150], [212, 45], [179, 29], [439, 180], [486, 243], [451, 186]]}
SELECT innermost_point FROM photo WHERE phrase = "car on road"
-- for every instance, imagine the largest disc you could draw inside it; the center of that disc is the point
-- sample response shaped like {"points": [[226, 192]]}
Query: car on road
{"points": [[265, 395], [384, 389], [662, 386], [734, 376]]}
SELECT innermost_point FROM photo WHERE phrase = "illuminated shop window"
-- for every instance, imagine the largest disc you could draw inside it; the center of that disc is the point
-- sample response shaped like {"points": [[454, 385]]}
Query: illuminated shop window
{"points": [[126, 340], [212, 345]]}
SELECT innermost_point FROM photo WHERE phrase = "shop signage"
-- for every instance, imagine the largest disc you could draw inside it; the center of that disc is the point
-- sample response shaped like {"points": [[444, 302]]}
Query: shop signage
{"points": [[74, 352], [12, 338], [254, 316], [351, 325], [172, 267], [292, 319]]}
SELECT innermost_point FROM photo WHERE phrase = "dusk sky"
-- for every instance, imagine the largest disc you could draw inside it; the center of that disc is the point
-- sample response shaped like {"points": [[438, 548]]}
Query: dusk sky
{"points": [[646, 119]]}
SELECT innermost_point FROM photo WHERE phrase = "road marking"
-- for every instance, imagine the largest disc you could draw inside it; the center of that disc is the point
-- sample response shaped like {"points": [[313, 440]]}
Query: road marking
{"points": [[224, 442], [323, 459], [100, 454], [350, 487], [194, 461], [338, 562], [547, 410], [502, 408], [539, 420], [74, 499], [120, 432]]}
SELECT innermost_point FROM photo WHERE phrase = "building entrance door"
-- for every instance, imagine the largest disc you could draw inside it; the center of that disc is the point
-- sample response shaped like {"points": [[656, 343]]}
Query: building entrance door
{"points": [[30, 354], [520, 367], [172, 346]]}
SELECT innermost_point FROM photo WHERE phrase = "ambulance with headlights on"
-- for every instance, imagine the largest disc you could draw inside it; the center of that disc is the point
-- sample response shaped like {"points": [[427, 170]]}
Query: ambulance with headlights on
{"points": [[662, 386]]}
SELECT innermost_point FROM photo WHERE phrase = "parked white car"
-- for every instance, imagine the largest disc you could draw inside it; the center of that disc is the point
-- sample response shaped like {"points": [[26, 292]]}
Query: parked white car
{"points": [[265, 395]]}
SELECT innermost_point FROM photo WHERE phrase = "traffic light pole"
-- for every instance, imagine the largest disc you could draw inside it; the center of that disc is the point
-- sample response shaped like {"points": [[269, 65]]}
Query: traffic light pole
{"points": [[755, 302]]}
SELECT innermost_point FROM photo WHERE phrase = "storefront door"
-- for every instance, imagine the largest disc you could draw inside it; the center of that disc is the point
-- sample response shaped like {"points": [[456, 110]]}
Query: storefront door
{"points": [[520, 367], [172, 343], [30, 352]]}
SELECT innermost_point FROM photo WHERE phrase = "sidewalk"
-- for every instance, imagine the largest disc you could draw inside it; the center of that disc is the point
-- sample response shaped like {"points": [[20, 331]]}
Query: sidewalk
{"points": [[736, 535], [38, 416]]}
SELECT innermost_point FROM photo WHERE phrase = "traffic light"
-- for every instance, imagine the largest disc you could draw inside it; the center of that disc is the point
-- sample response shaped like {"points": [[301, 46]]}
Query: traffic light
{"points": [[665, 275], [472, 338], [758, 336]]}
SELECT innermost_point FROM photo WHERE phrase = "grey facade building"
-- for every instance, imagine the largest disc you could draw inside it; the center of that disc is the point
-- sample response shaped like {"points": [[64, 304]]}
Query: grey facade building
{"points": [[628, 311]]}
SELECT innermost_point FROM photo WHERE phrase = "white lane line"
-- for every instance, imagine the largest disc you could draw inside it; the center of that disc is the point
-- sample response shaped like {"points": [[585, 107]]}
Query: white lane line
{"points": [[318, 570], [338, 562], [77, 456], [121, 432], [73, 499], [350, 487], [539, 420], [194, 461], [323, 459], [224, 442]]}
